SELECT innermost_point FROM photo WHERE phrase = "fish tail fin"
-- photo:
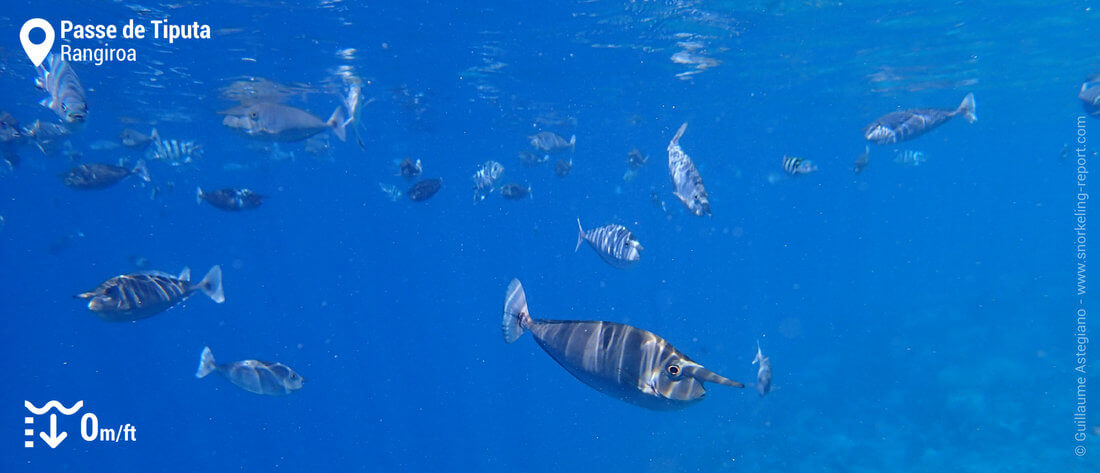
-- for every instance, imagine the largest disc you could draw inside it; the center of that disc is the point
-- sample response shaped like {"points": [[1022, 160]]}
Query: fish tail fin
{"points": [[198, 195], [141, 171], [211, 284], [573, 141], [185, 275], [338, 122], [516, 317], [967, 108], [206, 363], [679, 133], [580, 236]]}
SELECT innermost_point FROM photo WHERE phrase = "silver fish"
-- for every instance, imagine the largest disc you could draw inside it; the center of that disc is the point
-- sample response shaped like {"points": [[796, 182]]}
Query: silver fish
{"points": [[548, 142], [795, 165], [908, 124], [175, 152], [1090, 96], [763, 372], [624, 362], [132, 138], [49, 138], [66, 99], [908, 157], [688, 182], [139, 295], [485, 177], [254, 376], [278, 122], [614, 243]]}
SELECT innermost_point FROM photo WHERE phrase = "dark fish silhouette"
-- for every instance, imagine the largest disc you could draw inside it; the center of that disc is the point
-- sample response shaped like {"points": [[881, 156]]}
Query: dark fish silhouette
{"points": [[614, 243], [908, 124], [11, 136], [624, 362], [66, 98], [424, 189], [514, 191], [260, 377], [862, 160], [763, 372], [139, 295], [686, 179], [563, 167], [410, 169], [101, 176], [230, 199], [278, 122]]}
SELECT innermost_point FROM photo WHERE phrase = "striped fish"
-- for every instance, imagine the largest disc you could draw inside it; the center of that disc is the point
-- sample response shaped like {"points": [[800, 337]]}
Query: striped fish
{"points": [[795, 165], [139, 295], [176, 152], [254, 376], [688, 182], [908, 124], [58, 79], [614, 243], [763, 372], [624, 362]]}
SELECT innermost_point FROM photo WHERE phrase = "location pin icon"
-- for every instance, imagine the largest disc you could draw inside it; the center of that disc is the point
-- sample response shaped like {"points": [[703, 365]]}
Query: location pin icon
{"points": [[37, 52]]}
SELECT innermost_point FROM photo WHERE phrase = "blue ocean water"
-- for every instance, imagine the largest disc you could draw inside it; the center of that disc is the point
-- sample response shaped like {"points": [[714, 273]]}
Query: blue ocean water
{"points": [[918, 318]]}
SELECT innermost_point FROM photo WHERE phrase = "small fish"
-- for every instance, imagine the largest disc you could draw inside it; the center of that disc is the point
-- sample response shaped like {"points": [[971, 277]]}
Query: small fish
{"points": [[101, 176], [562, 168], [175, 152], [47, 137], [278, 122], [424, 189], [230, 199], [635, 159], [531, 159], [908, 124], [139, 295], [686, 178], [910, 158], [11, 136], [1090, 96], [259, 377], [548, 142], [795, 165], [513, 191], [763, 373], [66, 95], [614, 243], [862, 160], [485, 177], [391, 191], [134, 139], [624, 362], [655, 197], [410, 169]]}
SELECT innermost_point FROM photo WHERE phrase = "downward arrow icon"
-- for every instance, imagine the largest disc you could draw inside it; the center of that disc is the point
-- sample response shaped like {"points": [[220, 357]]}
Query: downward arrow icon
{"points": [[53, 440]]}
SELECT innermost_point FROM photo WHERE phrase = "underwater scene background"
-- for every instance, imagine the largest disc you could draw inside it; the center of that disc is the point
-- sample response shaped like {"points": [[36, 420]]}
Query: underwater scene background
{"points": [[918, 315]]}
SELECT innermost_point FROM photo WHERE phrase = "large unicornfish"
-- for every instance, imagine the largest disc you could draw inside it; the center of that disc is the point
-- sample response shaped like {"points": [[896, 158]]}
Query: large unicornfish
{"points": [[621, 361]]}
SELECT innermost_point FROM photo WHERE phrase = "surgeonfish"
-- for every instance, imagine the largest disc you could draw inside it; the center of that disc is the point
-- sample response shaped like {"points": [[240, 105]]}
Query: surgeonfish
{"points": [[908, 124], [260, 377], [614, 243], [686, 178], [624, 362], [763, 372], [139, 295], [66, 96]]}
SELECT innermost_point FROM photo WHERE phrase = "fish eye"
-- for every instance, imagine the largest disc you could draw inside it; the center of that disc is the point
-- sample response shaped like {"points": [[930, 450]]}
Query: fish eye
{"points": [[254, 115], [673, 370]]}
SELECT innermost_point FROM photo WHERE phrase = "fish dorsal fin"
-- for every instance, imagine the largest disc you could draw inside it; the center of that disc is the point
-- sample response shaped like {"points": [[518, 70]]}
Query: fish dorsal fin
{"points": [[185, 275]]}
